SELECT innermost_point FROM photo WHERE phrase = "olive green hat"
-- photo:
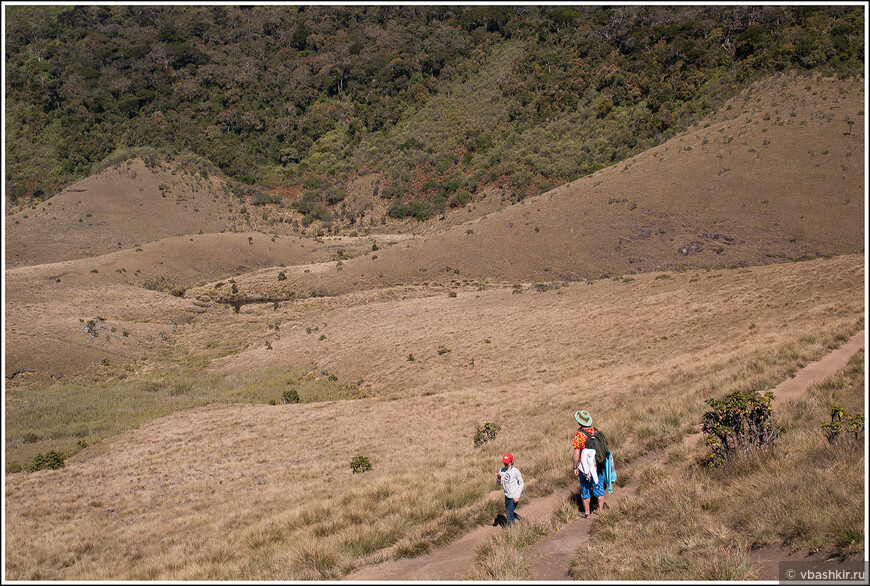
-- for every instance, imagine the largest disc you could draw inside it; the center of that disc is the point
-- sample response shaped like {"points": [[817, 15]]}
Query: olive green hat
{"points": [[583, 418]]}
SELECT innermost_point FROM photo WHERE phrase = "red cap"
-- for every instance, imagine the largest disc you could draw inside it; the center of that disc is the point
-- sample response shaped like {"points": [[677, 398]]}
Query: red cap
{"points": [[507, 459]]}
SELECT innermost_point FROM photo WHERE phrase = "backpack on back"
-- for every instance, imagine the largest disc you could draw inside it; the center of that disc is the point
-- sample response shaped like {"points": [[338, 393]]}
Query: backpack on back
{"points": [[596, 441]]}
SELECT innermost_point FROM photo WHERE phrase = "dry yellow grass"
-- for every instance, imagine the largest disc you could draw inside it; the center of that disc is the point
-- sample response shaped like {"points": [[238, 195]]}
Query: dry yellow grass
{"points": [[104, 212], [266, 492], [68, 413], [46, 302], [502, 556], [690, 522]]}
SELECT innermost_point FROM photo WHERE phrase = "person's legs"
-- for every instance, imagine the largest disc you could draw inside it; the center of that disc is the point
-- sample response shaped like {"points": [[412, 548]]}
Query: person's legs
{"points": [[598, 491], [585, 494], [509, 506]]}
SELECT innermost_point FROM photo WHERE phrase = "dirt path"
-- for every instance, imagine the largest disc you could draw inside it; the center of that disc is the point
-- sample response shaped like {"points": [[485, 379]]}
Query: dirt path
{"points": [[550, 558], [816, 371], [453, 560]]}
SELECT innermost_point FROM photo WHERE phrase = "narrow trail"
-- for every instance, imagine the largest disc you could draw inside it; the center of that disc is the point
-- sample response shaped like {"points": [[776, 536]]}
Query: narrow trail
{"points": [[453, 560], [549, 559]]}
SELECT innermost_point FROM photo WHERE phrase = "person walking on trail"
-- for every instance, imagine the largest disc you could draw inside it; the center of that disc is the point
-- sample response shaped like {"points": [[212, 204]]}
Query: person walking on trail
{"points": [[511, 479], [588, 486]]}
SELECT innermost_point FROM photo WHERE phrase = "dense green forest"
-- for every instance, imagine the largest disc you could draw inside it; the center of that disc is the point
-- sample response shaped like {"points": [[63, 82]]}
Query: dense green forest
{"points": [[440, 100]]}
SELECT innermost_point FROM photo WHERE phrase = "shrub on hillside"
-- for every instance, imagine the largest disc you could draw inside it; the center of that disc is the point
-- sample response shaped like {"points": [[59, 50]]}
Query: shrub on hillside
{"points": [[360, 464], [50, 460], [843, 426], [335, 195], [460, 199], [306, 203], [417, 209], [740, 421], [262, 198], [317, 212], [485, 432], [290, 396]]}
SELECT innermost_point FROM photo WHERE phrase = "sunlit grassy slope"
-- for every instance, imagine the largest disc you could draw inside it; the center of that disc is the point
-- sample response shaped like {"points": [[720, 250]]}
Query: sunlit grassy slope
{"points": [[266, 491], [805, 493]]}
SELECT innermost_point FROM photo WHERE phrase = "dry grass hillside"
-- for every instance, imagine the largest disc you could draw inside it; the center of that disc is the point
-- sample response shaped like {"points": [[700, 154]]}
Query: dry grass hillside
{"points": [[266, 491], [130, 204], [121, 208], [777, 174], [49, 305], [158, 359]]}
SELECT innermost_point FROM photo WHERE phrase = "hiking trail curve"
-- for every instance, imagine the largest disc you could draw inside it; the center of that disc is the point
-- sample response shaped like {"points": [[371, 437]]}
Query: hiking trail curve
{"points": [[549, 559]]}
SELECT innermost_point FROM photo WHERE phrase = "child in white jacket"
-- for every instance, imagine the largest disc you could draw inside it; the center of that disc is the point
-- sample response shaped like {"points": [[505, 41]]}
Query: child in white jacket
{"points": [[511, 480]]}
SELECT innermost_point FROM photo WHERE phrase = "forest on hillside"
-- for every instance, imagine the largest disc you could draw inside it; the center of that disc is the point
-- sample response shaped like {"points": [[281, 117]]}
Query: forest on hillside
{"points": [[439, 100]]}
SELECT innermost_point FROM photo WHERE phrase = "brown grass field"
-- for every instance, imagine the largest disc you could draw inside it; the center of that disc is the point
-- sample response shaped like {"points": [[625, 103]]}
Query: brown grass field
{"points": [[184, 463]]}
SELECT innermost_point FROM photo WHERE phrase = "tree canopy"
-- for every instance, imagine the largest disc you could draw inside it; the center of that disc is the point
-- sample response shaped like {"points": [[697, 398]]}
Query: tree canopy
{"points": [[438, 99]]}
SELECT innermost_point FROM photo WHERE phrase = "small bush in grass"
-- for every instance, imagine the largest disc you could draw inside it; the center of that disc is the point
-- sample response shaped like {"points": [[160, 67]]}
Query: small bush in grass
{"points": [[180, 388], [848, 540], [413, 548], [460, 199], [842, 422], [290, 396], [360, 464], [48, 461], [739, 421], [485, 433]]}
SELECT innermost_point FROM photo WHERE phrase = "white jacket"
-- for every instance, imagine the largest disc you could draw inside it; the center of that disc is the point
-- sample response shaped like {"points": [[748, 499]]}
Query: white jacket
{"points": [[512, 482], [587, 465]]}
